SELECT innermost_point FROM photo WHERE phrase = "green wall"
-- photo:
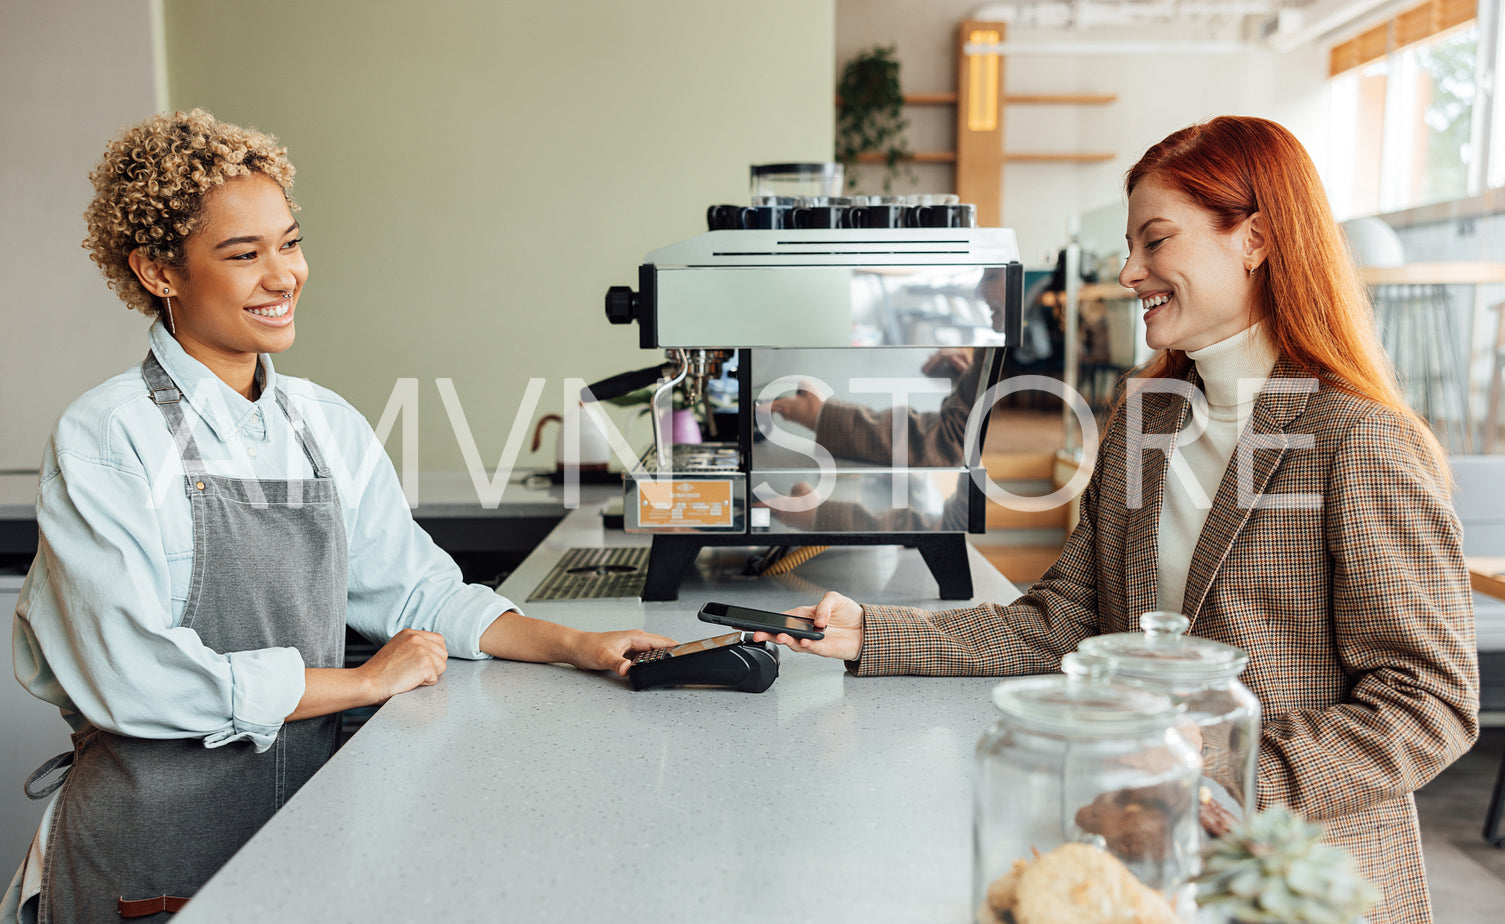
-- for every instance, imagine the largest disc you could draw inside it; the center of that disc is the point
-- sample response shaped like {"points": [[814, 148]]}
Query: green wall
{"points": [[474, 175]]}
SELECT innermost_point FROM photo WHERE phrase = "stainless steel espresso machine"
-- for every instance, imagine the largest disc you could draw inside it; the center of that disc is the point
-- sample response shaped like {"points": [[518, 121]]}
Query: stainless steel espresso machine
{"points": [[835, 370]]}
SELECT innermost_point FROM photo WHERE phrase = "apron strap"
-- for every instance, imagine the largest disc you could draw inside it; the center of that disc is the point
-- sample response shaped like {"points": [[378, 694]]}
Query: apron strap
{"points": [[301, 434], [61, 763], [169, 400]]}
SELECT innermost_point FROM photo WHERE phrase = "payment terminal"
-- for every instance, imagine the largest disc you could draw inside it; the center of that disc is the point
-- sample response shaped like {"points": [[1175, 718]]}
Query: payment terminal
{"points": [[730, 661]]}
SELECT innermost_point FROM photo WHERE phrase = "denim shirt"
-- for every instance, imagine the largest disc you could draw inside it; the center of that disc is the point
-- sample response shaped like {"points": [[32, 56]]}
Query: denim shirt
{"points": [[98, 629]]}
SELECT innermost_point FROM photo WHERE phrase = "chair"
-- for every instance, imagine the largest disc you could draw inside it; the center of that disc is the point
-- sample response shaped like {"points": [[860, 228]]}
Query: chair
{"points": [[1418, 328], [1491, 424]]}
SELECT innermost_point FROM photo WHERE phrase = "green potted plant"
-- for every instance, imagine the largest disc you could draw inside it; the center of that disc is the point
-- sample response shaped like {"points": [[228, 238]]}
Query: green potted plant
{"points": [[1273, 868], [870, 113]]}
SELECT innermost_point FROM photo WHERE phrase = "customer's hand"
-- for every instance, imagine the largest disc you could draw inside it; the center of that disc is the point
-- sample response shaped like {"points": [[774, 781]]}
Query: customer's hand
{"points": [[803, 520], [803, 407], [947, 362], [613, 651], [411, 659], [839, 617]]}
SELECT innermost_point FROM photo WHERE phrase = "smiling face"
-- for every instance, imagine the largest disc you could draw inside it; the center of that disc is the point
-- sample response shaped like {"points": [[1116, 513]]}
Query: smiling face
{"points": [[1191, 279], [237, 291]]}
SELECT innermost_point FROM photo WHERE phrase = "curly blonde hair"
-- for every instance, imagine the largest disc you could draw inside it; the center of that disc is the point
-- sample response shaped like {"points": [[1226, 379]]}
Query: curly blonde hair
{"points": [[150, 185]]}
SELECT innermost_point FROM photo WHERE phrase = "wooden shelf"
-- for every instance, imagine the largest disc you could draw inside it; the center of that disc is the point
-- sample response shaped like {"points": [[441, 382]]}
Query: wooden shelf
{"points": [[924, 99], [1024, 99], [1062, 99], [949, 157], [979, 157], [918, 157], [1057, 158]]}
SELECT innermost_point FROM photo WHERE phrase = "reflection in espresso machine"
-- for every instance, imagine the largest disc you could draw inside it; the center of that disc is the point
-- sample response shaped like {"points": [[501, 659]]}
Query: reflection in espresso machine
{"points": [[857, 355]]}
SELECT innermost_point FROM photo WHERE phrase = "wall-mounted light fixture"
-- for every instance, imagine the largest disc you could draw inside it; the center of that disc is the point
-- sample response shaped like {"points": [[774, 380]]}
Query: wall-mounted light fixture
{"points": [[982, 82]]}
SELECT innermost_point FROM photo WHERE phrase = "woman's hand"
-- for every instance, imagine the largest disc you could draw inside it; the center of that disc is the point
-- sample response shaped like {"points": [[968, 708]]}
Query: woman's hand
{"points": [[838, 616], [613, 651], [411, 659]]}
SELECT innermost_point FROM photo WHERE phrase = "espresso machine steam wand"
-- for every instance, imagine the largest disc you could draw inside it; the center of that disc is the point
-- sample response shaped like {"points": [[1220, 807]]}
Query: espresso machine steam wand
{"points": [[661, 414], [694, 368]]}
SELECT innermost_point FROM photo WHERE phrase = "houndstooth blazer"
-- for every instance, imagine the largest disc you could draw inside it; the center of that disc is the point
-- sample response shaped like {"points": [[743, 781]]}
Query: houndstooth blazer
{"points": [[1354, 608]]}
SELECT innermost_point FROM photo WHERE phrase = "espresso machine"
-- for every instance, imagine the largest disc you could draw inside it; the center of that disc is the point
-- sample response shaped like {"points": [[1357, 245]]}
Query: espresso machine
{"points": [[835, 370]]}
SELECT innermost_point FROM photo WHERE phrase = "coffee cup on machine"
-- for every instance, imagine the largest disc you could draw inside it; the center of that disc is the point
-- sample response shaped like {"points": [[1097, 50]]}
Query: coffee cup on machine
{"points": [[724, 218], [821, 212], [877, 212], [913, 204], [768, 213], [962, 215]]}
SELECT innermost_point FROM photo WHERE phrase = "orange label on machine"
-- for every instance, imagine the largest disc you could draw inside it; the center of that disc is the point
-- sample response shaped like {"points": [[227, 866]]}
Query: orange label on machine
{"points": [[684, 503]]}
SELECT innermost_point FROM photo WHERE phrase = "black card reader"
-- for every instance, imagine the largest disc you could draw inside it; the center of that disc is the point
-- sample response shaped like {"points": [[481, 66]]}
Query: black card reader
{"points": [[731, 661]]}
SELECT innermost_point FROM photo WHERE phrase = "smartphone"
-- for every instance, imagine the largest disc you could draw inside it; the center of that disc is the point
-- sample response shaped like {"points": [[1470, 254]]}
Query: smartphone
{"points": [[751, 620]]}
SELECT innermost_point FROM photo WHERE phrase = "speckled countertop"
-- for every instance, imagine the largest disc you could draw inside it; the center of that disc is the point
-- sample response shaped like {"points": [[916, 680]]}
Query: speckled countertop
{"points": [[532, 793]]}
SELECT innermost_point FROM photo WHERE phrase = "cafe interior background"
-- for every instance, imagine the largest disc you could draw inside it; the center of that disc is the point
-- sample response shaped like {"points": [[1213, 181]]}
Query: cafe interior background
{"points": [[474, 175]]}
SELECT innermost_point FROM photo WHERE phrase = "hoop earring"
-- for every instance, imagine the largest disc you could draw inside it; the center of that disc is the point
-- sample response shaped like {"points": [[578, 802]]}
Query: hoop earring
{"points": [[167, 305]]}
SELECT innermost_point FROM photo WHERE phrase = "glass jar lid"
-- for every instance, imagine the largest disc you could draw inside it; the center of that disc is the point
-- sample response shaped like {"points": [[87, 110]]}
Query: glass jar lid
{"points": [[1163, 651], [1080, 705], [802, 171]]}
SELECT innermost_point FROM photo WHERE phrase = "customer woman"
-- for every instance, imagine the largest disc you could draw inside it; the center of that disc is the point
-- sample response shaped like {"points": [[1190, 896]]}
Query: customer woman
{"points": [[208, 528], [1345, 583]]}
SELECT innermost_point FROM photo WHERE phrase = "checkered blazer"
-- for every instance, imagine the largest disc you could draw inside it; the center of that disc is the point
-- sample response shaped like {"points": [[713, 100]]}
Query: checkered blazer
{"points": [[1355, 610]]}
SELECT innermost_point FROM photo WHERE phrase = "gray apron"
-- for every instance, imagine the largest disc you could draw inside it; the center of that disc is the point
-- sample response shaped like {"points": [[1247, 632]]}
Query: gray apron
{"points": [[142, 823]]}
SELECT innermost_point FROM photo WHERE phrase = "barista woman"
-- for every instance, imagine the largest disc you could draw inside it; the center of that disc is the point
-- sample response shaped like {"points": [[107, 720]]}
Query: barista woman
{"points": [[208, 529], [1346, 585]]}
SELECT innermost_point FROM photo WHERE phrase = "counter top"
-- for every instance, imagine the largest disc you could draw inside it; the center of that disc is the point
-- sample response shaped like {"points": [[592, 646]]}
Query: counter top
{"points": [[449, 508], [528, 792], [440, 494]]}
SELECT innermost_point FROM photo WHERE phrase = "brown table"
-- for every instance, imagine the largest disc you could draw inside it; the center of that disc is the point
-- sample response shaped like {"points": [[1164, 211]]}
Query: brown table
{"points": [[1487, 575], [1460, 273]]}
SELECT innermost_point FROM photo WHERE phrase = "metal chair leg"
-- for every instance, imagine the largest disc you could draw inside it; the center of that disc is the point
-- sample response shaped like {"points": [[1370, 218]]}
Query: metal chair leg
{"points": [[1493, 831]]}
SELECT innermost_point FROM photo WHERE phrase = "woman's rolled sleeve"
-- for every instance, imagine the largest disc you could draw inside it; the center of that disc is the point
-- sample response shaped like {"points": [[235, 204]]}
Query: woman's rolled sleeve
{"points": [[95, 616], [266, 686], [470, 612]]}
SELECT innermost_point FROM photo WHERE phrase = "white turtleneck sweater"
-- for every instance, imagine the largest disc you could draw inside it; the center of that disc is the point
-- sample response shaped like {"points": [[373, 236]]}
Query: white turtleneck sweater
{"points": [[1197, 463]]}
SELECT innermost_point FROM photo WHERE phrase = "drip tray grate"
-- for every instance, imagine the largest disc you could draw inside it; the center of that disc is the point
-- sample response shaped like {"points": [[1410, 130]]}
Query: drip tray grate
{"points": [[594, 574]]}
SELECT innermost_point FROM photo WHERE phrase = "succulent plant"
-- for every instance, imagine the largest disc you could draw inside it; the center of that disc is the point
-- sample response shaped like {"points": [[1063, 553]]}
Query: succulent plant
{"points": [[1273, 868]]}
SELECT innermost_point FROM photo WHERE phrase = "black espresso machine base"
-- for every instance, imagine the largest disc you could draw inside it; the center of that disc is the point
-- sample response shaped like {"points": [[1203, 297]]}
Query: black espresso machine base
{"points": [[673, 555]]}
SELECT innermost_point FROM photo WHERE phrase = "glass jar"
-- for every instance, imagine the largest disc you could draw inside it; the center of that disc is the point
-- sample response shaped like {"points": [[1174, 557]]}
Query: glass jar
{"points": [[1202, 675], [1076, 760], [795, 180]]}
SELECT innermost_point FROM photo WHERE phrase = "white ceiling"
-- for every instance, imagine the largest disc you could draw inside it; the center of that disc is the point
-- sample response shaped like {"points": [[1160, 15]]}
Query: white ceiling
{"points": [[1280, 24]]}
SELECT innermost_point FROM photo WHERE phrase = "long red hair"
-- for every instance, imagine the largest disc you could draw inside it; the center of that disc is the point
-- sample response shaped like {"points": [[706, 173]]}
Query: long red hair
{"points": [[1308, 294]]}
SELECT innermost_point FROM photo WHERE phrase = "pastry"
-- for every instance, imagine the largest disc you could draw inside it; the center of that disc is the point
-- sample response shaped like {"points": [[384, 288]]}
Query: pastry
{"points": [[1134, 823], [1075, 884], [1216, 819]]}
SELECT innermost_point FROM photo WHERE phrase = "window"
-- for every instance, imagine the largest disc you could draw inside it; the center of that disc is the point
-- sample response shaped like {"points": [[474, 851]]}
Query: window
{"points": [[1403, 101]]}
